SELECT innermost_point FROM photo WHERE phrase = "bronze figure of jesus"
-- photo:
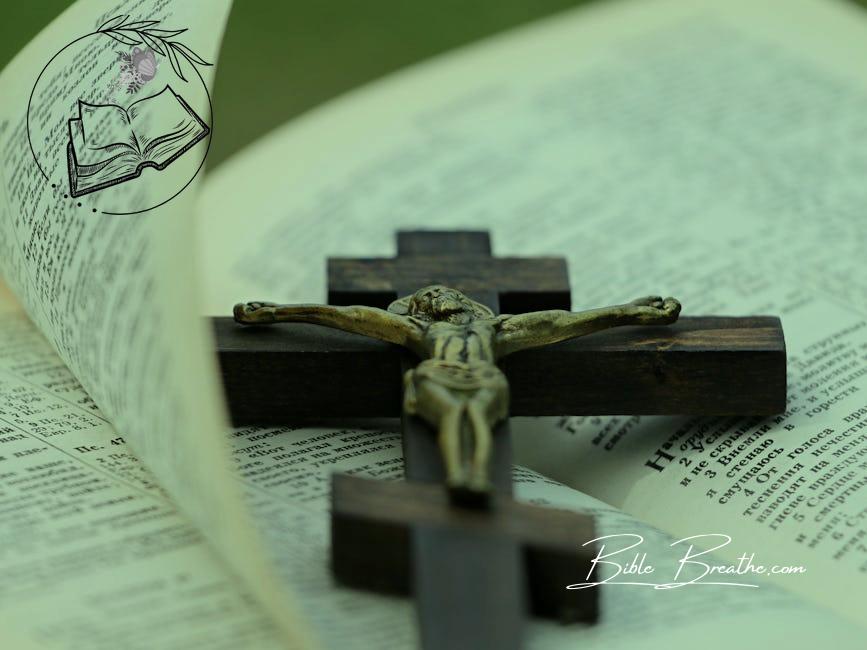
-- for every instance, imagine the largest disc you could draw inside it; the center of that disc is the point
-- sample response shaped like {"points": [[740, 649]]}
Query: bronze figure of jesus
{"points": [[458, 388]]}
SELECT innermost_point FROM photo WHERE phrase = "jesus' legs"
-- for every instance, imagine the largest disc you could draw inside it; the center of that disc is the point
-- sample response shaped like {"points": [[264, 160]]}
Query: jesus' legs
{"points": [[443, 411], [481, 448], [449, 439], [481, 411]]}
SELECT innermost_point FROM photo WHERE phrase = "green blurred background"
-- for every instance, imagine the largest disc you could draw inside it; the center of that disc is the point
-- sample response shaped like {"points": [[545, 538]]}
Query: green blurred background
{"points": [[280, 59]]}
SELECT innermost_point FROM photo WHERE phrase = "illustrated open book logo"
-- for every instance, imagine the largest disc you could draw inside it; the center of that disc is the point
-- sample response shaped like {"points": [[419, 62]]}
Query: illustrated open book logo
{"points": [[109, 145]]}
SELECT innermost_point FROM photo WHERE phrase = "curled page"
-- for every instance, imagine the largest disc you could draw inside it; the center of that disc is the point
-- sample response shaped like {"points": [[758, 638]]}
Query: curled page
{"points": [[92, 545], [114, 293]]}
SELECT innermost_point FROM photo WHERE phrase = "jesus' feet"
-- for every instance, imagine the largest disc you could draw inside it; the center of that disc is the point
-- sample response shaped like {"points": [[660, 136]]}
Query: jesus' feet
{"points": [[472, 490]]}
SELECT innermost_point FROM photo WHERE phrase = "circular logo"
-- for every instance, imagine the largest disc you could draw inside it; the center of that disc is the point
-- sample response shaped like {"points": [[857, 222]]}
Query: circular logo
{"points": [[137, 137]]}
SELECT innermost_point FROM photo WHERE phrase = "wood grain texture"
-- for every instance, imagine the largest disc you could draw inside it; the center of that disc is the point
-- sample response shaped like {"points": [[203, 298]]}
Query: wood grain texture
{"points": [[533, 283], [371, 523], [699, 365], [459, 259], [443, 243]]}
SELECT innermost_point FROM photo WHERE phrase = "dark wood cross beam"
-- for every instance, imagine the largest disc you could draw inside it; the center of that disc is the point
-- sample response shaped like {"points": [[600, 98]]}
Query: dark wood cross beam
{"points": [[700, 365], [464, 565]]}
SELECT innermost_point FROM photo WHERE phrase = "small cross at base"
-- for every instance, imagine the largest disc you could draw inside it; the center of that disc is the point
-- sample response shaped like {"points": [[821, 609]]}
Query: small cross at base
{"points": [[370, 514]]}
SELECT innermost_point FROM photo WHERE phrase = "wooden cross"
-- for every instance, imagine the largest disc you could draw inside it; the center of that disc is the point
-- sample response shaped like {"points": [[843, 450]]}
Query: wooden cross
{"points": [[475, 572]]}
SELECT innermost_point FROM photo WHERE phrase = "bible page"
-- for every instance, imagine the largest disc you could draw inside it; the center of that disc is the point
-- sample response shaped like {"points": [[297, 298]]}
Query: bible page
{"points": [[115, 293], [709, 150], [94, 553]]}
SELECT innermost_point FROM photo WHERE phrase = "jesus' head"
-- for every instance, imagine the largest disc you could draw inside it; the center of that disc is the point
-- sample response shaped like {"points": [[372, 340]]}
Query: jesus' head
{"points": [[440, 303]]}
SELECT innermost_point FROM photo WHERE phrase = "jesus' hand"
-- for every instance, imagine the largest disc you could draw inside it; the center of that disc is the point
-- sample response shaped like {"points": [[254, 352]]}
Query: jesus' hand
{"points": [[653, 310], [254, 312]]}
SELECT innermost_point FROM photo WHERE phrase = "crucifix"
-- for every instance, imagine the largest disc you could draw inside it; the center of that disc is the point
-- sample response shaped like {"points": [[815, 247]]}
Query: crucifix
{"points": [[475, 559]]}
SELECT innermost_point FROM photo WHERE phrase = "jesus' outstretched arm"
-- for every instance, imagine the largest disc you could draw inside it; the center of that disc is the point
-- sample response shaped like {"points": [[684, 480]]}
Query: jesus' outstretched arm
{"points": [[539, 328], [368, 321]]}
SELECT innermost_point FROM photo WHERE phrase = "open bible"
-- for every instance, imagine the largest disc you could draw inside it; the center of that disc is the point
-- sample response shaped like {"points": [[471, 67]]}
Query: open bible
{"points": [[109, 144], [626, 137]]}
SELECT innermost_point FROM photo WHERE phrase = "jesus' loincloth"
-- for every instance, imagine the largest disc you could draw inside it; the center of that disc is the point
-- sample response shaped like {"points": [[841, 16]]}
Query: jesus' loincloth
{"points": [[465, 382]]}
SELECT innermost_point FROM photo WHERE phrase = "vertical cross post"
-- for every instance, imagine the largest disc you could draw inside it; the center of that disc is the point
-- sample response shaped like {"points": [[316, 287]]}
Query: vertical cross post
{"points": [[469, 585]]}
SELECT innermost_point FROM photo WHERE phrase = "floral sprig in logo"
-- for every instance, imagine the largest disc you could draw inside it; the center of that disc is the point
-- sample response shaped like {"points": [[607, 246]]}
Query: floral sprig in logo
{"points": [[145, 32], [136, 69]]}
